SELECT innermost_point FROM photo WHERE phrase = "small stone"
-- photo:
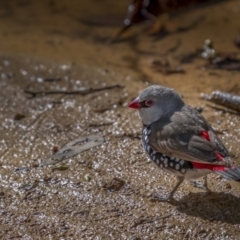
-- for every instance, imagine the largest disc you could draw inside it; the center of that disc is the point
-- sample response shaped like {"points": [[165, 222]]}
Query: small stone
{"points": [[55, 149], [19, 116], [113, 185], [228, 186], [87, 177]]}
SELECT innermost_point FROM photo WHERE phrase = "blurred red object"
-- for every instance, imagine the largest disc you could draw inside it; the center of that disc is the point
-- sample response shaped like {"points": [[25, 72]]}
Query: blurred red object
{"points": [[142, 10]]}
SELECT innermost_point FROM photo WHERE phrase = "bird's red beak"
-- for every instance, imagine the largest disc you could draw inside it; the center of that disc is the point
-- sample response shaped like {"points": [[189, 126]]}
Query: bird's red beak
{"points": [[135, 104]]}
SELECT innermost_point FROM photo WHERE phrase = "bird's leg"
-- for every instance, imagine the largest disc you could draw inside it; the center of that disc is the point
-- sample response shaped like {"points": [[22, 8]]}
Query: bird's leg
{"points": [[170, 198], [203, 186]]}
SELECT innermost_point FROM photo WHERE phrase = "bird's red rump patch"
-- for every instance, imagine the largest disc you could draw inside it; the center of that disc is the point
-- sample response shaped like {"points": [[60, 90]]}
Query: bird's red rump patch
{"points": [[205, 135], [208, 166], [219, 157]]}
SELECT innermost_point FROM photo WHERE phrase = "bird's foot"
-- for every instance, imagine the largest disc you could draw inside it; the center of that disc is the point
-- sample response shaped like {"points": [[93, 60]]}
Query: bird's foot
{"points": [[200, 185]]}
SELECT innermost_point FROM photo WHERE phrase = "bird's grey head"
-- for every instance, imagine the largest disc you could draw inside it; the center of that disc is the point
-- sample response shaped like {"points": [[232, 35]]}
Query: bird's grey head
{"points": [[155, 102]]}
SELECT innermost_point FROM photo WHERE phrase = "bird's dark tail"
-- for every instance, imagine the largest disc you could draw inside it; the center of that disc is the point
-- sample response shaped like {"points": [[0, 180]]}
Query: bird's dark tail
{"points": [[230, 173]]}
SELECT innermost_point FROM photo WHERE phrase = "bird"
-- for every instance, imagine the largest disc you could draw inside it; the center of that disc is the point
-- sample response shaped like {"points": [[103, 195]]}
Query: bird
{"points": [[179, 140]]}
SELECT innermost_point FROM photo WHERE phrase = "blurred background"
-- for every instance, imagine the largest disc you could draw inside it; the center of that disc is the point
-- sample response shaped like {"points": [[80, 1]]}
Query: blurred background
{"points": [[69, 69]]}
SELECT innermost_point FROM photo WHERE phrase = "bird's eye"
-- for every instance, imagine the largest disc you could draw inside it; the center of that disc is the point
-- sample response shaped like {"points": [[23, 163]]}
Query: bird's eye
{"points": [[149, 103]]}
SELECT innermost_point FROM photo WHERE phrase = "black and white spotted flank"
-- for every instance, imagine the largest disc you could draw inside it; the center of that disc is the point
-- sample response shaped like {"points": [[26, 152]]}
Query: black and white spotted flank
{"points": [[166, 163]]}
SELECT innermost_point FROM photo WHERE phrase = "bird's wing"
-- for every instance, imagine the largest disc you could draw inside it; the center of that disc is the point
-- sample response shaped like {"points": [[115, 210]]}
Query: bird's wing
{"points": [[188, 136]]}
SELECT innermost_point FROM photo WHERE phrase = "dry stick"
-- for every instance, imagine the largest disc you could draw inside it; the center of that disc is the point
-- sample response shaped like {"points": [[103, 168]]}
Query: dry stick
{"points": [[224, 99], [84, 91], [149, 220]]}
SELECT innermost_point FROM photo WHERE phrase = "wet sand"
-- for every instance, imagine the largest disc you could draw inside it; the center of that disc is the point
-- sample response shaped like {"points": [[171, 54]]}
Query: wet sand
{"points": [[105, 193]]}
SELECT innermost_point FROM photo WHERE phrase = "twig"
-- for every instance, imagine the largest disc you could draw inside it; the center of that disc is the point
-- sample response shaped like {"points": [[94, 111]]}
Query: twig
{"points": [[84, 91], [100, 124], [149, 220], [54, 79]]}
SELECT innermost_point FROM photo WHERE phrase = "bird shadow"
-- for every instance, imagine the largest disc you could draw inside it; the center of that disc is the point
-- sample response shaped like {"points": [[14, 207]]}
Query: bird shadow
{"points": [[211, 206]]}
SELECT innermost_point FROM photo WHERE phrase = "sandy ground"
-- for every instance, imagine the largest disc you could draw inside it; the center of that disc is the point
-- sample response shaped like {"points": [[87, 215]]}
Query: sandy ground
{"points": [[105, 193]]}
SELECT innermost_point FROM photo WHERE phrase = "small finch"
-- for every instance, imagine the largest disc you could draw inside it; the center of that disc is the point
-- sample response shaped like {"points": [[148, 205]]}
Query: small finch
{"points": [[179, 139]]}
